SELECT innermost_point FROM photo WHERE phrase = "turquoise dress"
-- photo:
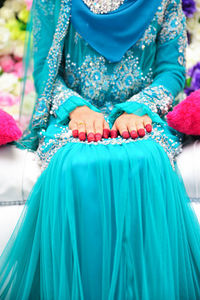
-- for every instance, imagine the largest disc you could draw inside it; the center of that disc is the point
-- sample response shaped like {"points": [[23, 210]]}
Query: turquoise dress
{"points": [[110, 220]]}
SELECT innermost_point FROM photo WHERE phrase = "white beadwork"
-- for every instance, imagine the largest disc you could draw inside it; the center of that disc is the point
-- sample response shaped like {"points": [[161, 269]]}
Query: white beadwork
{"points": [[103, 6]]}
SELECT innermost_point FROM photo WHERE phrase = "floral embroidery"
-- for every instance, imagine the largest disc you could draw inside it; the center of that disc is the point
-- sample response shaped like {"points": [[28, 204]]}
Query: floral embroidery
{"points": [[157, 98], [182, 45], [151, 32], [92, 80], [174, 22], [60, 94]]}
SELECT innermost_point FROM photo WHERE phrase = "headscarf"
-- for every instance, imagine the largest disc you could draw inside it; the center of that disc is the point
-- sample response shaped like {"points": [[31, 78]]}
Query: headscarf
{"points": [[112, 34]]}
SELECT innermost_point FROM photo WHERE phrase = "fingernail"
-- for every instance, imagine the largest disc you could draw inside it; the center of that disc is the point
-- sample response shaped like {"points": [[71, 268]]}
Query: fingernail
{"points": [[148, 128], [106, 133], [82, 136], [113, 134], [141, 132], [125, 135], [134, 134], [75, 133], [98, 137], [91, 137]]}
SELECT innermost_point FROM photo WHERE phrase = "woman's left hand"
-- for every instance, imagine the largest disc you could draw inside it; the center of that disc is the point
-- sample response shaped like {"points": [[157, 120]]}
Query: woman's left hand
{"points": [[131, 125]]}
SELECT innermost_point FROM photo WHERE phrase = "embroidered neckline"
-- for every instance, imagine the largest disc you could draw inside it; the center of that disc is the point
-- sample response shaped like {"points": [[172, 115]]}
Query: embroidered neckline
{"points": [[103, 6]]}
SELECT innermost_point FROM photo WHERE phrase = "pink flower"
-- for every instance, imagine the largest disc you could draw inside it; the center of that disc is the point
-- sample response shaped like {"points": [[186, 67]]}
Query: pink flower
{"points": [[7, 99], [18, 69], [28, 4], [17, 58], [29, 86], [7, 63]]}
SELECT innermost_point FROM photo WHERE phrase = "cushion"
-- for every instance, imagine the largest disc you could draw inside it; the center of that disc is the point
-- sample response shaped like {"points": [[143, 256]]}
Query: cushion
{"points": [[18, 173], [9, 130], [186, 115]]}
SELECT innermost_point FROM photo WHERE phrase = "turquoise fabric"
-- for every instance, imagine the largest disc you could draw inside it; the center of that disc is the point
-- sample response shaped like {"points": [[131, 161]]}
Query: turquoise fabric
{"points": [[107, 220]]}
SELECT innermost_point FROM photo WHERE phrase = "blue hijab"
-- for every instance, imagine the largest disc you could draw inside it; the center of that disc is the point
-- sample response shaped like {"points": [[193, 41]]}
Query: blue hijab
{"points": [[112, 34]]}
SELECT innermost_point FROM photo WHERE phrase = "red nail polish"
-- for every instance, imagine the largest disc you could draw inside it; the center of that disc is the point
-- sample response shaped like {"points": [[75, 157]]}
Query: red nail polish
{"points": [[106, 133], [113, 134], [134, 134], [91, 137], [82, 136], [148, 128], [75, 133], [141, 132], [125, 135], [98, 137]]}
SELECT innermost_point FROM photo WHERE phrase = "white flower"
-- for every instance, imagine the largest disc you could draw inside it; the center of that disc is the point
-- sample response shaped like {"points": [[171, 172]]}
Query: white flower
{"points": [[6, 13], [16, 88], [18, 48], [4, 36], [192, 54], [8, 82], [193, 25], [198, 5], [15, 6], [12, 47]]}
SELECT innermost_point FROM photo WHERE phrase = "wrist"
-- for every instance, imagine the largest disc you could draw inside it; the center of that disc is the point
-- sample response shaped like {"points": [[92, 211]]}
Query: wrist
{"points": [[79, 109]]}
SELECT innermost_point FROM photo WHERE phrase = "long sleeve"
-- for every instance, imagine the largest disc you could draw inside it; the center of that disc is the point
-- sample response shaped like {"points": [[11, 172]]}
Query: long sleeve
{"points": [[169, 69], [64, 99], [44, 17]]}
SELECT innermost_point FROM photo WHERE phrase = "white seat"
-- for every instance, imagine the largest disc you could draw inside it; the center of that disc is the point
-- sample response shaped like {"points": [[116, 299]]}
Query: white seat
{"points": [[19, 170], [189, 166]]}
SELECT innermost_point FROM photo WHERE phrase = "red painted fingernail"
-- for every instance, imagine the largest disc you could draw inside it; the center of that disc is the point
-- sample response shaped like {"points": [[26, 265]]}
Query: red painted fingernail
{"points": [[141, 132], [91, 137], [113, 133], [75, 133], [148, 128], [106, 133], [134, 134], [125, 135], [98, 137], [82, 136]]}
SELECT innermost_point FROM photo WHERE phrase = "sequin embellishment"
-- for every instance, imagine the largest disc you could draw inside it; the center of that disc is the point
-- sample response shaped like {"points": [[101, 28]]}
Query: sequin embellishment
{"points": [[103, 6]]}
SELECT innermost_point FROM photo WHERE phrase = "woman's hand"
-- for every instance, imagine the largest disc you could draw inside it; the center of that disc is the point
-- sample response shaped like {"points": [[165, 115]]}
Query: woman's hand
{"points": [[84, 121], [131, 125]]}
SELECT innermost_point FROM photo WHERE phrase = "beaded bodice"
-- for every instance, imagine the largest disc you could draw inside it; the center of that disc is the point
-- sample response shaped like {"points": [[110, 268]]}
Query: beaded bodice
{"points": [[103, 6]]}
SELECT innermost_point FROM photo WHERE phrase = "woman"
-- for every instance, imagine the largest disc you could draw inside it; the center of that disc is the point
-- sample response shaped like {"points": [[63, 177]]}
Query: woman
{"points": [[109, 217]]}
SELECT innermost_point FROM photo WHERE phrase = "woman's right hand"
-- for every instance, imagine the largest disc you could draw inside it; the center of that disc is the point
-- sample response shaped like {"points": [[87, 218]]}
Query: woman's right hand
{"points": [[85, 121]]}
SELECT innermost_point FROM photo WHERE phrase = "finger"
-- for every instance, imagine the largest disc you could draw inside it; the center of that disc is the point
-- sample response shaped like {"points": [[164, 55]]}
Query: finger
{"points": [[146, 121], [147, 124], [123, 129], [81, 130], [90, 130], [140, 129], [114, 131], [98, 127], [73, 126], [132, 130], [106, 130]]}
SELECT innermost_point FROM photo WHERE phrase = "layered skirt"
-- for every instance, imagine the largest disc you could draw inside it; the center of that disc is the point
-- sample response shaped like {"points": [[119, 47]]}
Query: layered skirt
{"points": [[106, 222]]}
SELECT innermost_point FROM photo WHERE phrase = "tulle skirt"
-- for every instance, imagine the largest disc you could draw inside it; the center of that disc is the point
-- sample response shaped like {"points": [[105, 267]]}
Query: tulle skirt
{"points": [[105, 222]]}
